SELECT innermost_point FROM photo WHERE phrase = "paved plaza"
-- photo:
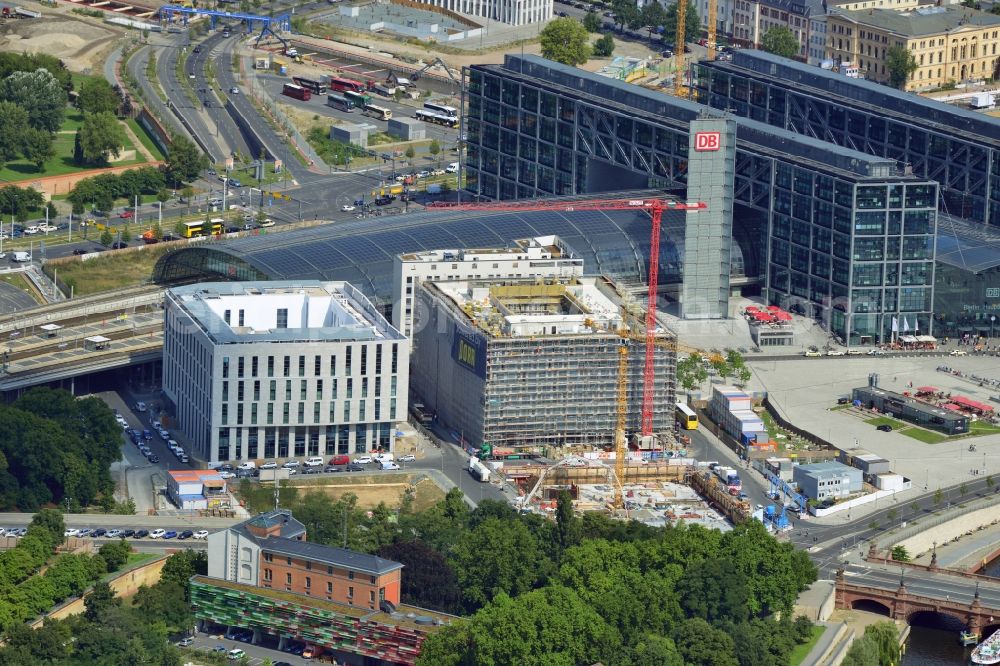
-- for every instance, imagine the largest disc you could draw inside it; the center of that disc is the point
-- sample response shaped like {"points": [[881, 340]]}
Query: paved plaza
{"points": [[803, 391]]}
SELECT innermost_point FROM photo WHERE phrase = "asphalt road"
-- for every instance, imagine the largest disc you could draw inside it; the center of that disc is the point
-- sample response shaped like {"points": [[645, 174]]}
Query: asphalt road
{"points": [[166, 73], [228, 134]]}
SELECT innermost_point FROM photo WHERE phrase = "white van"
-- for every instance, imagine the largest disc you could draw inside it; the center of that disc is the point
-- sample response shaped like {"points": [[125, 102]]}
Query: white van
{"points": [[21, 256], [247, 465], [388, 465], [385, 457], [452, 168], [315, 461]]}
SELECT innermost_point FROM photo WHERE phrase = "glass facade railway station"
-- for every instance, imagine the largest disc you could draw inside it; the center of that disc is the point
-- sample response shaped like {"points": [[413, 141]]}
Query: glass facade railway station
{"points": [[955, 146], [833, 233]]}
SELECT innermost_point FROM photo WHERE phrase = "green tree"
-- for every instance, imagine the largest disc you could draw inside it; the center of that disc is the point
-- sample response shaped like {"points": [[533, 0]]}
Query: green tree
{"points": [[691, 371], [886, 639], [410, 153], [900, 554], [106, 238], [565, 40], [542, 627], [626, 13], [100, 599], [158, 235], [181, 566], [166, 601], [40, 94], [592, 21], [901, 64], [496, 557], [714, 590], [655, 650], [101, 136], [692, 24], [51, 520], [185, 161], [435, 149], [567, 524], [115, 554], [863, 652], [125, 236], [990, 482], [780, 41], [429, 581], [179, 230], [722, 368], [604, 47], [163, 195], [13, 128], [963, 489], [653, 15], [700, 643], [97, 96], [37, 147], [938, 496]]}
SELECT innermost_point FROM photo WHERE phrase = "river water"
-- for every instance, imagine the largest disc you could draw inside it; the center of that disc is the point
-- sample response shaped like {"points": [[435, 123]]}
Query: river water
{"points": [[934, 647]]}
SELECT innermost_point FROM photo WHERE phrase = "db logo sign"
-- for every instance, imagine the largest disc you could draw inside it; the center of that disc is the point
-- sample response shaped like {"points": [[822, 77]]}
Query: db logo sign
{"points": [[707, 141]]}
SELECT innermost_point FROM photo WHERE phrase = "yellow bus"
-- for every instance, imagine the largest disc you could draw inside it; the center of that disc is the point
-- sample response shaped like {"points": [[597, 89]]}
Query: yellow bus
{"points": [[204, 228], [686, 417]]}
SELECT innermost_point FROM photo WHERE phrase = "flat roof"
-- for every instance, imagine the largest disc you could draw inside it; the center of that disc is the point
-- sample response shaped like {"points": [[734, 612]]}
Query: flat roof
{"points": [[913, 403], [873, 97], [966, 245], [50, 327], [637, 101], [188, 475], [313, 311], [826, 467], [98, 338]]}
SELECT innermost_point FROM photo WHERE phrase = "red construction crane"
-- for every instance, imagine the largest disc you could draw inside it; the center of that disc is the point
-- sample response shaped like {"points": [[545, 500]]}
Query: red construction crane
{"points": [[655, 207]]}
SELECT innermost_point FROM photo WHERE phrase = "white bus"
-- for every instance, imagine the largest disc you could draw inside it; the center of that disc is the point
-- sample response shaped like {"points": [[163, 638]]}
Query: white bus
{"points": [[442, 109], [436, 118], [378, 112]]}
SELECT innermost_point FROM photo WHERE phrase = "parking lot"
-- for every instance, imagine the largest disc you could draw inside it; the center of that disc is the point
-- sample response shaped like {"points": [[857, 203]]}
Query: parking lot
{"points": [[256, 654]]}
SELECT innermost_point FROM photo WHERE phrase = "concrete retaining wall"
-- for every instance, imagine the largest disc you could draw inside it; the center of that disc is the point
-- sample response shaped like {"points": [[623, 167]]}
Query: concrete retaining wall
{"points": [[124, 584], [952, 529]]}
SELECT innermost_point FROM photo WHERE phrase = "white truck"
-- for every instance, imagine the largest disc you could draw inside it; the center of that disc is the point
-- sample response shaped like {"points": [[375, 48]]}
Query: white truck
{"points": [[983, 100], [478, 470], [21, 256]]}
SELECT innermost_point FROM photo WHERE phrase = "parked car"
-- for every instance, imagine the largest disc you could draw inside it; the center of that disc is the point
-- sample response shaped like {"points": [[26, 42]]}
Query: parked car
{"points": [[127, 215], [291, 464], [156, 534], [270, 464], [354, 467], [70, 532], [201, 534], [409, 457], [957, 352], [169, 534], [114, 534], [363, 460], [83, 532], [186, 534], [128, 534], [184, 642], [141, 534], [98, 533], [330, 469], [340, 460], [884, 427], [835, 352], [813, 352], [235, 655], [119, 245]]}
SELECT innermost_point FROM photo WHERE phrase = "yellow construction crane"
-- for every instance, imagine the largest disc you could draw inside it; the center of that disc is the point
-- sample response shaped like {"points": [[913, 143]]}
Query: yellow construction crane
{"points": [[680, 90], [712, 20]]}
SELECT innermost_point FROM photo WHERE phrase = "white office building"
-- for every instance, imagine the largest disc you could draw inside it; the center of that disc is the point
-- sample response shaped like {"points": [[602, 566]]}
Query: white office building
{"points": [[514, 12], [539, 257], [284, 369]]}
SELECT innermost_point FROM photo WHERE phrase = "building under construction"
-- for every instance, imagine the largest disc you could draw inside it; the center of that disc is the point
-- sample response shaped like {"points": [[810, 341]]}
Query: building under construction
{"points": [[533, 363]]}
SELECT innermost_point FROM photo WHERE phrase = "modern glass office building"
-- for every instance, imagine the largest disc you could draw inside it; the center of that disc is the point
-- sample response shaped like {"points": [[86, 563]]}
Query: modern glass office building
{"points": [[954, 146], [830, 232]]}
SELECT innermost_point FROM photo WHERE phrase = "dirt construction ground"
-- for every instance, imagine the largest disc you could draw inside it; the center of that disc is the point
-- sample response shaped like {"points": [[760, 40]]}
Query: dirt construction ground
{"points": [[81, 44], [374, 489]]}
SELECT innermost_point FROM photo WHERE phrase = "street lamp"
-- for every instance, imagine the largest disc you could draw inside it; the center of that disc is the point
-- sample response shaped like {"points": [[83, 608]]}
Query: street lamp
{"points": [[993, 318]]}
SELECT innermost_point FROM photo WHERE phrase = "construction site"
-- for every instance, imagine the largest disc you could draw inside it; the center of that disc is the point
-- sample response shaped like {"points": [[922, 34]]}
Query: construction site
{"points": [[529, 364]]}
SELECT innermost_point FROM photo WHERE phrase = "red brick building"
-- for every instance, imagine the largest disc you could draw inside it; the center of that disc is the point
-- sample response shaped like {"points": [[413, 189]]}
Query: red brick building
{"points": [[271, 551]]}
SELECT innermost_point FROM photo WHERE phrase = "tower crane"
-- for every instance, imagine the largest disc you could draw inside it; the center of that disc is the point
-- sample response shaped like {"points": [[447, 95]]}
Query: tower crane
{"points": [[713, 9], [680, 37], [655, 208]]}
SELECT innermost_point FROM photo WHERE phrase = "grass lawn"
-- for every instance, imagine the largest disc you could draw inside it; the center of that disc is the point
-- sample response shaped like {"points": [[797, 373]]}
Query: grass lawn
{"points": [[73, 120], [136, 558], [885, 420], [113, 270], [925, 436], [837, 408], [145, 139], [62, 162], [800, 652], [982, 428]]}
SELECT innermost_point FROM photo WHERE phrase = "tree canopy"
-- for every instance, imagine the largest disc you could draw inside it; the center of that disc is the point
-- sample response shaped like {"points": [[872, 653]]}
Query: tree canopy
{"points": [[692, 24], [40, 94], [565, 40], [54, 447], [185, 161], [97, 96], [901, 64], [780, 41], [101, 137]]}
